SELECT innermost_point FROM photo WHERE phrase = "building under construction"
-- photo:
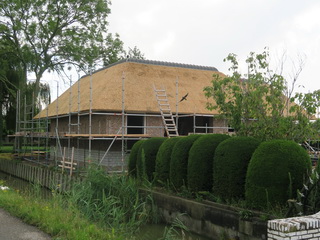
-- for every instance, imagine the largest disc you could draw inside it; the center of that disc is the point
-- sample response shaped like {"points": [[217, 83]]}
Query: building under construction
{"points": [[103, 114]]}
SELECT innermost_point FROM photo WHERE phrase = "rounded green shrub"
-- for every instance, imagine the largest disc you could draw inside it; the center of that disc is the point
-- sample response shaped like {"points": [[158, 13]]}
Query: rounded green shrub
{"points": [[147, 157], [132, 163], [200, 161], [179, 160], [230, 165], [163, 159], [275, 172]]}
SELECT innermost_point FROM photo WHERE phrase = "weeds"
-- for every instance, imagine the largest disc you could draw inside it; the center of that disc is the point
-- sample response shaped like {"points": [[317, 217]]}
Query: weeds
{"points": [[61, 222], [112, 200], [176, 231]]}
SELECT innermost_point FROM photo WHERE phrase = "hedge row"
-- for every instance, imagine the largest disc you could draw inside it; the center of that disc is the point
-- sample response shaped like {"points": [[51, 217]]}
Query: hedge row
{"points": [[179, 161], [162, 168], [275, 172], [200, 162], [229, 167], [231, 161]]}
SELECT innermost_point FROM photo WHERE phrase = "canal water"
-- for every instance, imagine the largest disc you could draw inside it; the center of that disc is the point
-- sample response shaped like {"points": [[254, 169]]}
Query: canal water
{"points": [[148, 232]]}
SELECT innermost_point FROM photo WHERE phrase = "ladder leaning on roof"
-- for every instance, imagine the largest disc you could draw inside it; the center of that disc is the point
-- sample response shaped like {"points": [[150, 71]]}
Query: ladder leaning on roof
{"points": [[166, 114]]}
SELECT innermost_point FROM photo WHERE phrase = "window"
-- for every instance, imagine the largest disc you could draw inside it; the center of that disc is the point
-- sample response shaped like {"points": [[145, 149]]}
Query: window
{"points": [[135, 125]]}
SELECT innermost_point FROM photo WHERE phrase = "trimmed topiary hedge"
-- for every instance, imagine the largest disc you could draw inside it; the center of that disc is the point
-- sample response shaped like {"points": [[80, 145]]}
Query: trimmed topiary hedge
{"points": [[132, 163], [147, 157], [230, 165], [200, 162], [179, 160], [163, 160], [275, 172]]}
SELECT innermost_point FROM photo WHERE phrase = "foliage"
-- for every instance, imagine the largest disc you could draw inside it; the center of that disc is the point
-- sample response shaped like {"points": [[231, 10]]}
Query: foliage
{"points": [[58, 218], [260, 103], [52, 36], [200, 161], [146, 162], [230, 165], [112, 200], [172, 232], [179, 161], [163, 159], [135, 53], [10, 81], [307, 201], [132, 164], [276, 170]]}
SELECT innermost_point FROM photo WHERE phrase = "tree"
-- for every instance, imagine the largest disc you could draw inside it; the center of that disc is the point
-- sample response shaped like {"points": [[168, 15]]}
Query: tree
{"points": [[50, 35], [10, 81], [260, 104], [135, 53]]}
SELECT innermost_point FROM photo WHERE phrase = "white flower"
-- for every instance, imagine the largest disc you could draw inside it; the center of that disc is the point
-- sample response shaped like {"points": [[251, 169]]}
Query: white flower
{"points": [[305, 187], [4, 188], [299, 203]]}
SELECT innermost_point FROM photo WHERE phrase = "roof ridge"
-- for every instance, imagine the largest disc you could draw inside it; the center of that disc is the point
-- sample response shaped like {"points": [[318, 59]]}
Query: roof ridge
{"points": [[158, 63]]}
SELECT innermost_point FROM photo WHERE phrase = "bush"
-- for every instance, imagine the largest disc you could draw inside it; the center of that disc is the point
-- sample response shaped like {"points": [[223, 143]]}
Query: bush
{"points": [[132, 163], [200, 162], [147, 157], [163, 159], [179, 160], [275, 172], [230, 165]]}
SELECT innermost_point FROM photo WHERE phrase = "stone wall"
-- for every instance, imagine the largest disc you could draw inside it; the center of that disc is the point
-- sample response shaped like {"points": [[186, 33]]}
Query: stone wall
{"points": [[210, 219], [306, 227]]}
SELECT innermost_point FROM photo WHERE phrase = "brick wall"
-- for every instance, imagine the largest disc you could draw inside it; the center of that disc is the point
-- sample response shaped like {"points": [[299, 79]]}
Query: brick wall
{"points": [[306, 227]]}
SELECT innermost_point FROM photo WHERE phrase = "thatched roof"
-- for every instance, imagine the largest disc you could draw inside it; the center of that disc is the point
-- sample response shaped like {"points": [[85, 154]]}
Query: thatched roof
{"points": [[139, 77]]}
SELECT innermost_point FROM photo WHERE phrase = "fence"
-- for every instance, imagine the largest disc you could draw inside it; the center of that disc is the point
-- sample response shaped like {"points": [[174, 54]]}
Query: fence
{"points": [[42, 176]]}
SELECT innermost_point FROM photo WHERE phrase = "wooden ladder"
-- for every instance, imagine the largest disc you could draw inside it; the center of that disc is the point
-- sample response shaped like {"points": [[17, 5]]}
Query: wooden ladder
{"points": [[166, 114]]}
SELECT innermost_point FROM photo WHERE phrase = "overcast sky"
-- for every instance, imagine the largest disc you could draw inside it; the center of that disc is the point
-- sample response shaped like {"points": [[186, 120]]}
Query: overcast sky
{"points": [[204, 32]]}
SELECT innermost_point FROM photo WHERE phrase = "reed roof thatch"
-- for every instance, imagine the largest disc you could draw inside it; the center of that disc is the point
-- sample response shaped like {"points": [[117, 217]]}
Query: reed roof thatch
{"points": [[139, 97]]}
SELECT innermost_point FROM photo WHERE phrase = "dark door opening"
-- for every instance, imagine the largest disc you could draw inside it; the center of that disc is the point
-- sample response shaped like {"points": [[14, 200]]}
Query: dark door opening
{"points": [[135, 125]]}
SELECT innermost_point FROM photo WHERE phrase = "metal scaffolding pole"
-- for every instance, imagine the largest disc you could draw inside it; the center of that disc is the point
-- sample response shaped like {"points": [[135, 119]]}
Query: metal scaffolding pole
{"points": [[177, 103], [90, 114], [57, 124], [78, 121], [47, 134], [18, 121], [31, 119], [123, 123], [70, 108]]}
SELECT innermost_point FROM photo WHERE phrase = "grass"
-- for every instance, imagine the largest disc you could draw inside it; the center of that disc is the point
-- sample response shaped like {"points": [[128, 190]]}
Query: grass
{"points": [[10, 149], [101, 207], [114, 201], [61, 222]]}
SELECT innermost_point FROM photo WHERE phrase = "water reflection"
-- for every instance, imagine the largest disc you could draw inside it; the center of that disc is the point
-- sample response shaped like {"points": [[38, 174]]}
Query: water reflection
{"points": [[24, 187]]}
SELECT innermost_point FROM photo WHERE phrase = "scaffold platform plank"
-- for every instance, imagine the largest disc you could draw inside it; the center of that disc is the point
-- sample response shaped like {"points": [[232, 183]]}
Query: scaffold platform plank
{"points": [[95, 135]]}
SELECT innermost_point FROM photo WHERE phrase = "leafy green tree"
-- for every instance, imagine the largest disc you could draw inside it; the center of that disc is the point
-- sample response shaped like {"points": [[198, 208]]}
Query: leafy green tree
{"points": [[259, 103], [52, 35], [11, 79]]}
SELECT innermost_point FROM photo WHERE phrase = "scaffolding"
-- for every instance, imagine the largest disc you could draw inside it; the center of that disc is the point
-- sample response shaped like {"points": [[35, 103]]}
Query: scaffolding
{"points": [[47, 142], [31, 137]]}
